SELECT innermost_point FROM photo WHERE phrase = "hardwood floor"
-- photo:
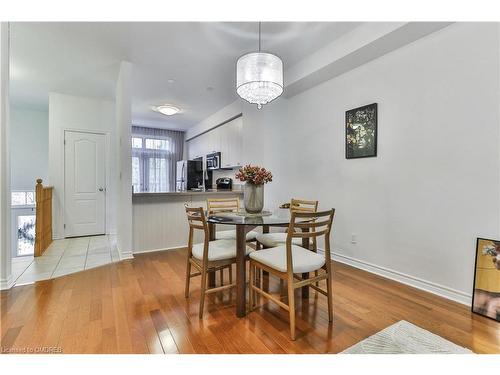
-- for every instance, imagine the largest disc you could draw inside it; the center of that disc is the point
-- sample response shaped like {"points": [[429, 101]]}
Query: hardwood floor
{"points": [[138, 306]]}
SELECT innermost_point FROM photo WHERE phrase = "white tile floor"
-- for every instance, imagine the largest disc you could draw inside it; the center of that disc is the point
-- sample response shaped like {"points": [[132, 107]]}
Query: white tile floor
{"points": [[64, 257]]}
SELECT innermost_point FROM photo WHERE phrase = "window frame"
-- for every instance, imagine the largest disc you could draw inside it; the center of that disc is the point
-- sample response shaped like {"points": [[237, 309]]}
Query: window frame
{"points": [[144, 155], [25, 194], [142, 143], [17, 211]]}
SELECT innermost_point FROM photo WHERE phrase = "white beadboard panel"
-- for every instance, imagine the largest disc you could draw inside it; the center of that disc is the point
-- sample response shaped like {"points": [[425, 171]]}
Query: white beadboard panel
{"points": [[159, 222]]}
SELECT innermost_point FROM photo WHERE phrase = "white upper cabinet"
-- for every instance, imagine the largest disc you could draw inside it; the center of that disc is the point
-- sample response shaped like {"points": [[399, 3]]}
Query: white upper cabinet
{"points": [[195, 148], [213, 140], [225, 145], [227, 139], [232, 142]]}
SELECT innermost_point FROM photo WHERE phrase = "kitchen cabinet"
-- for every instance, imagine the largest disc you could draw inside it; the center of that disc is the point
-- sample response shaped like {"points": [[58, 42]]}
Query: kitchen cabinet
{"points": [[227, 139], [213, 141], [195, 148], [231, 143]]}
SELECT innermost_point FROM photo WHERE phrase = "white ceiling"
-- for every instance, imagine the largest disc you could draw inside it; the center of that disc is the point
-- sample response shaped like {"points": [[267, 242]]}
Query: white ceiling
{"points": [[82, 59]]}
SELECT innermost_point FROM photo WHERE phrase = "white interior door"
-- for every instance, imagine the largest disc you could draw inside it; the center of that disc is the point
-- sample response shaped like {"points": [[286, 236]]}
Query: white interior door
{"points": [[84, 184]]}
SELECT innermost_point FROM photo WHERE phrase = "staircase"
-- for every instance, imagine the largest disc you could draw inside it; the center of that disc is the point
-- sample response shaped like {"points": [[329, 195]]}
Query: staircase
{"points": [[43, 224]]}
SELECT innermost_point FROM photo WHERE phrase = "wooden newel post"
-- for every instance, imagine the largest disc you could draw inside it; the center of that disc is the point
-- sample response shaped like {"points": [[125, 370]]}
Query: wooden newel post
{"points": [[38, 189], [43, 212], [38, 217]]}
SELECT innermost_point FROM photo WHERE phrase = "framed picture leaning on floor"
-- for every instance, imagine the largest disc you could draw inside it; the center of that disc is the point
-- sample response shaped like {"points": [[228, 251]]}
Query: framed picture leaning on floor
{"points": [[486, 293]]}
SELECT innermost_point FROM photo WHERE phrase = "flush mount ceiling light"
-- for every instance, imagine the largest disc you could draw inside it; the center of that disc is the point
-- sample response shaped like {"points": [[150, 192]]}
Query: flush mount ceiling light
{"points": [[259, 77], [167, 109]]}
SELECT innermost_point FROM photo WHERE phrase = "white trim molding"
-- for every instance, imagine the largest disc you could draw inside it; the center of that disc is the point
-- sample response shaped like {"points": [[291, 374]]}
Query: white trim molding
{"points": [[7, 283], [5, 198], [126, 255], [428, 286], [173, 248]]}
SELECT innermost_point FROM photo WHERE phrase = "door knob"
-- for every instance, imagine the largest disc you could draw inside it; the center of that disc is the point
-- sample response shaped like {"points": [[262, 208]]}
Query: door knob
{"points": [[101, 189]]}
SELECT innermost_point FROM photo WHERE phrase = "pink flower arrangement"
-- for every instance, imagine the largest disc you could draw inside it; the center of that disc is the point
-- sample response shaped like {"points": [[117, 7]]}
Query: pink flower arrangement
{"points": [[254, 174]]}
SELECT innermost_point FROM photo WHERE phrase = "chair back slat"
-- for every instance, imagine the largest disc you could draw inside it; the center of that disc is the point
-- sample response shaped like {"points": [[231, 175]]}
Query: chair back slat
{"points": [[315, 234], [194, 226], [195, 215], [311, 224], [215, 205], [307, 225], [302, 205], [312, 215]]}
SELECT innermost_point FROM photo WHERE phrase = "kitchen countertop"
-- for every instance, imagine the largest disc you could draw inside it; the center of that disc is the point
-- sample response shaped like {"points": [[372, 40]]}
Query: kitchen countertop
{"points": [[190, 192]]}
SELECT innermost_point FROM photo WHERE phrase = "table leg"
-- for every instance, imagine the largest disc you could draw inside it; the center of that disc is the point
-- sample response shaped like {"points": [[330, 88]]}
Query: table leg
{"points": [[241, 303], [305, 244], [211, 237]]}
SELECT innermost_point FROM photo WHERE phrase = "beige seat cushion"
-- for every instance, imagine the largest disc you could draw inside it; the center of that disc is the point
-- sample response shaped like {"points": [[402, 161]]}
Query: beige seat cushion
{"points": [[276, 239], [218, 250], [303, 260], [231, 235]]}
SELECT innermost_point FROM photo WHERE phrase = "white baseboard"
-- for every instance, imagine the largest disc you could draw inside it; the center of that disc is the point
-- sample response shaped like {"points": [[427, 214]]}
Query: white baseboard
{"points": [[7, 283], [428, 286], [162, 249], [126, 255]]}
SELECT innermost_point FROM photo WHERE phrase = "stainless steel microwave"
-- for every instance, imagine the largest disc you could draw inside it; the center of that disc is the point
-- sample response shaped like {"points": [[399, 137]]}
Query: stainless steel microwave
{"points": [[213, 161]]}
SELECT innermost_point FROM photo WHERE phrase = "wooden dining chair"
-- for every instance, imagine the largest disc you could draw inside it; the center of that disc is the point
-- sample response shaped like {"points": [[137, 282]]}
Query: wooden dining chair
{"points": [[268, 240], [222, 205], [208, 256], [289, 262], [217, 205]]}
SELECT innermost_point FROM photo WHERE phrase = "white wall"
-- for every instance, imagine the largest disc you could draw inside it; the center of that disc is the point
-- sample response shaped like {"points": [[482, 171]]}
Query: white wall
{"points": [[417, 207], [5, 251], [29, 140], [124, 160], [68, 112]]}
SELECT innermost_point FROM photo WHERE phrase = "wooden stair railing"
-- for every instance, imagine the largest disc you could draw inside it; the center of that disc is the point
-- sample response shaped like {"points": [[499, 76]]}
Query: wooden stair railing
{"points": [[43, 223]]}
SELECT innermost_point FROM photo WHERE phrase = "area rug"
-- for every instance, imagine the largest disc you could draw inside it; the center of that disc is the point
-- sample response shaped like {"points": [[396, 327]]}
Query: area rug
{"points": [[405, 338]]}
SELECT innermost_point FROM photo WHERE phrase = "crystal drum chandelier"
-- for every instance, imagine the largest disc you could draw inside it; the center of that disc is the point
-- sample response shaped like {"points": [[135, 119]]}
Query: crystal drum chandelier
{"points": [[259, 77]]}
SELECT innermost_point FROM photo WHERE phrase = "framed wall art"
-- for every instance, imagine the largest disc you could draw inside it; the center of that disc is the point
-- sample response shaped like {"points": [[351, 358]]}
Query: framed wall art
{"points": [[361, 132]]}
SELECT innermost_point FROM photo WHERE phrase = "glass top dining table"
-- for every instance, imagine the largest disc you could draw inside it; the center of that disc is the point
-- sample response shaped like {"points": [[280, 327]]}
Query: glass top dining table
{"points": [[244, 223], [279, 217]]}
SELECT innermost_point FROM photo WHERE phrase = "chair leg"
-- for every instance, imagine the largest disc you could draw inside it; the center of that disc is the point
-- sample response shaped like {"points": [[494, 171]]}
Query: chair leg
{"points": [[330, 297], [231, 274], [291, 306], [257, 276], [202, 291], [221, 273], [188, 279], [250, 289]]}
